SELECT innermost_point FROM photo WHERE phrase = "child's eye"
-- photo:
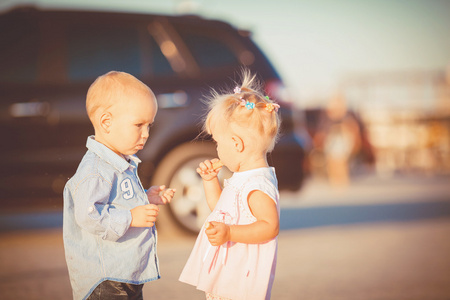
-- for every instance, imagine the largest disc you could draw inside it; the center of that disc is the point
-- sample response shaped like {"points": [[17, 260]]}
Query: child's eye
{"points": [[140, 125]]}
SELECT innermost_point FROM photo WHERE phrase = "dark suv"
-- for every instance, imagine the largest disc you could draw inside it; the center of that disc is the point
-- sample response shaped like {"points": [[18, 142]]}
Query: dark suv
{"points": [[48, 59]]}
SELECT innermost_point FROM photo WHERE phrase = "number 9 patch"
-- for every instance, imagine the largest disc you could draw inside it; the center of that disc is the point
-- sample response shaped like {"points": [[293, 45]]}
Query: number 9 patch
{"points": [[127, 189]]}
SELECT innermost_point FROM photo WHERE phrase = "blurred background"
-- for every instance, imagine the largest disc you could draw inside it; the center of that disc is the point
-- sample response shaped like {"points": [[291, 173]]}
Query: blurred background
{"points": [[363, 163]]}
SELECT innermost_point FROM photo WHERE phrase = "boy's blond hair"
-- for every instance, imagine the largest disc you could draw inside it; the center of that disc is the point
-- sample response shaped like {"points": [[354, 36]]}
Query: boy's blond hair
{"points": [[248, 108], [106, 90]]}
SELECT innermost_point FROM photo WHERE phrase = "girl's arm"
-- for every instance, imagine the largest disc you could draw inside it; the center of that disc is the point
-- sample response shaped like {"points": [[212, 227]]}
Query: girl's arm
{"points": [[211, 182], [212, 192], [264, 229]]}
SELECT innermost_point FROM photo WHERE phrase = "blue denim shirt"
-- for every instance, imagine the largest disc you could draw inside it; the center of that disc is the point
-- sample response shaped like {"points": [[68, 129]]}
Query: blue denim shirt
{"points": [[98, 240]]}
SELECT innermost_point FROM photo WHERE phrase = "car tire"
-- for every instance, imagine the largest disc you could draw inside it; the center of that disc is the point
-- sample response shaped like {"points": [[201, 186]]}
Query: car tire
{"points": [[188, 208]]}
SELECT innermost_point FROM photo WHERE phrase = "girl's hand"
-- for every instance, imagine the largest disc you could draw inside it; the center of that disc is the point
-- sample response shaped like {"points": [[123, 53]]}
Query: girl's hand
{"points": [[209, 169], [217, 233], [160, 195]]}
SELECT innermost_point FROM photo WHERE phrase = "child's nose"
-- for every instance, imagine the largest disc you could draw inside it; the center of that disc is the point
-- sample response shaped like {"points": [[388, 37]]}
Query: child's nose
{"points": [[145, 134]]}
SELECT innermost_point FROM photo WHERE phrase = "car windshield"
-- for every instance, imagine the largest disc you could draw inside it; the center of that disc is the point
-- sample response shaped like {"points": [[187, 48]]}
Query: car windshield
{"points": [[208, 51]]}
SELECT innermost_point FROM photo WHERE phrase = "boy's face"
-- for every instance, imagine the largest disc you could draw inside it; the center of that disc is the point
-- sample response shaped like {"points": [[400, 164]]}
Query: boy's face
{"points": [[130, 123]]}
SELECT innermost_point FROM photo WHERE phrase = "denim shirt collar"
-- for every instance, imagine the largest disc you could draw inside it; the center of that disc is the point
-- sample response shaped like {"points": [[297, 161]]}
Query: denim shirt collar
{"points": [[110, 156]]}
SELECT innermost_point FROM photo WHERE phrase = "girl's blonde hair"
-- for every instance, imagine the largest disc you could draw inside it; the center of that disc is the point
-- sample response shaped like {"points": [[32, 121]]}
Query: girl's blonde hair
{"points": [[247, 107]]}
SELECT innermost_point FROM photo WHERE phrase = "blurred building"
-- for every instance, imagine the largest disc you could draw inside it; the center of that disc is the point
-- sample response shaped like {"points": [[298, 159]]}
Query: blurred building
{"points": [[407, 117]]}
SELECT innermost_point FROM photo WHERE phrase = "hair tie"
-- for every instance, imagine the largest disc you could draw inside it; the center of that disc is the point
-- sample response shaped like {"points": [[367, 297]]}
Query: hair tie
{"points": [[270, 107], [249, 105]]}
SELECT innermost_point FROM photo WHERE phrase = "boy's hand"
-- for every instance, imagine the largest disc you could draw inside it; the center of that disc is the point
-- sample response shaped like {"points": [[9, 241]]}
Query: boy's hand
{"points": [[144, 215], [209, 169], [217, 233], [160, 195]]}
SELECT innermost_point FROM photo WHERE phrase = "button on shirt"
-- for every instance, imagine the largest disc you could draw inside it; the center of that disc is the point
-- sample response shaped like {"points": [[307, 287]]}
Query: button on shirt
{"points": [[98, 240]]}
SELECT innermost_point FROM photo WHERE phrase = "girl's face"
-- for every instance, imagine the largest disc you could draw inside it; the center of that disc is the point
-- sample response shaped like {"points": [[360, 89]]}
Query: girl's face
{"points": [[226, 150], [130, 123]]}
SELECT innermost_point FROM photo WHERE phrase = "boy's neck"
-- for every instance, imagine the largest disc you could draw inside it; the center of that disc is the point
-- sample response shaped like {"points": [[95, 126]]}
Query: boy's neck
{"points": [[98, 138]]}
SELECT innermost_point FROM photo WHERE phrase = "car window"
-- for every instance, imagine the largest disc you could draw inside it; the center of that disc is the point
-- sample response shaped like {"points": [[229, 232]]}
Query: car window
{"points": [[159, 65], [209, 51], [95, 50], [19, 40]]}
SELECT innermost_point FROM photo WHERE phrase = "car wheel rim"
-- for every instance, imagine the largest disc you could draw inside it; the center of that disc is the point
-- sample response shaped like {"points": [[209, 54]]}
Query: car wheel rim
{"points": [[189, 205]]}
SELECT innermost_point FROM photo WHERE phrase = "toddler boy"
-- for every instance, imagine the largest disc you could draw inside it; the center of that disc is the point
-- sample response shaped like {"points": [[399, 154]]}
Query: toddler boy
{"points": [[108, 229]]}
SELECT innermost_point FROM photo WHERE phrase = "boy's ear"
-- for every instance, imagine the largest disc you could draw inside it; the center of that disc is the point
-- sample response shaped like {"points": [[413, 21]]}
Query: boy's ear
{"points": [[105, 122], [238, 143]]}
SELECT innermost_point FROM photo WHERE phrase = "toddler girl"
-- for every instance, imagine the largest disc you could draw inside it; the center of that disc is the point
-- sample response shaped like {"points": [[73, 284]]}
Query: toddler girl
{"points": [[234, 256]]}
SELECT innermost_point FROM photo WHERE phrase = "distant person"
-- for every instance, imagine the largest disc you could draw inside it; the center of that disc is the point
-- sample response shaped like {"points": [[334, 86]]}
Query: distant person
{"points": [[109, 233], [234, 256], [341, 141]]}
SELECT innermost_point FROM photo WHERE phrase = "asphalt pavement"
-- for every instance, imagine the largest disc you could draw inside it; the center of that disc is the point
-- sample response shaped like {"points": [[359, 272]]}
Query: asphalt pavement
{"points": [[379, 238]]}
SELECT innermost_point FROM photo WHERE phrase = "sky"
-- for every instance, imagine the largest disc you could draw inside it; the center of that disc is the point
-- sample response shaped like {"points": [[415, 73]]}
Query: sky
{"points": [[316, 44]]}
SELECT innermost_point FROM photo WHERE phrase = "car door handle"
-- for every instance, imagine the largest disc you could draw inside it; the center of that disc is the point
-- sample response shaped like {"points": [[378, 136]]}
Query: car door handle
{"points": [[172, 100], [29, 109]]}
